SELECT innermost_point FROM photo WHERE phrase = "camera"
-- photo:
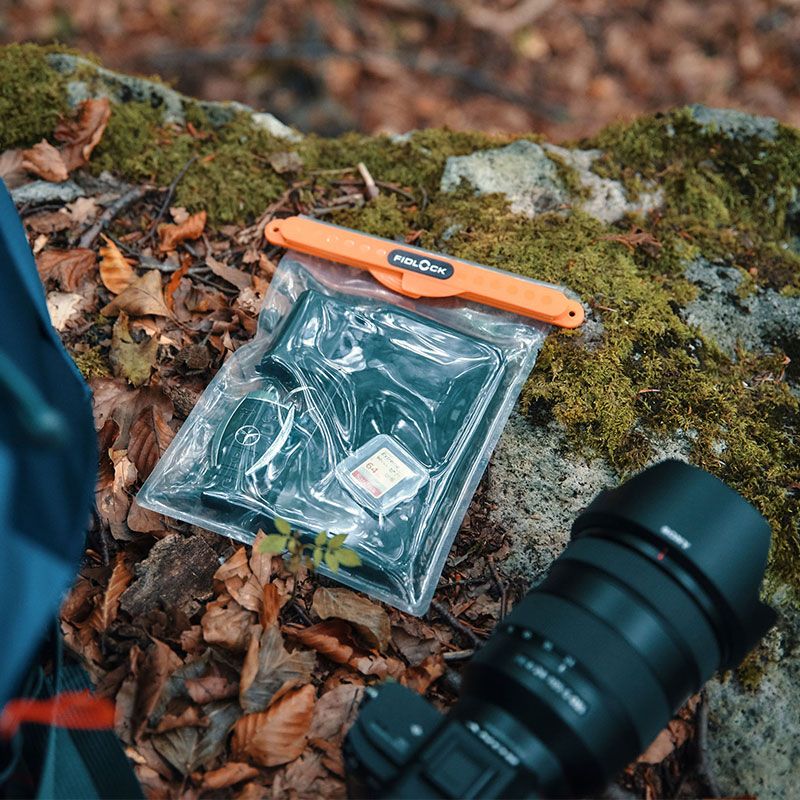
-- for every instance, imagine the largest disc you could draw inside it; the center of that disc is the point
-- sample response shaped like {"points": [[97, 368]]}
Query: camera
{"points": [[657, 590]]}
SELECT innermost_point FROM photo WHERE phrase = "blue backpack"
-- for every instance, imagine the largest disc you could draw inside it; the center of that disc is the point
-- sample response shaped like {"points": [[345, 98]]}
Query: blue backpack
{"points": [[48, 459]]}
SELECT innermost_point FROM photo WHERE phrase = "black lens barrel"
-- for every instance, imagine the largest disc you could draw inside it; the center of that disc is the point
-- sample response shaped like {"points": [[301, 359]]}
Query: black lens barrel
{"points": [[658, 590]]}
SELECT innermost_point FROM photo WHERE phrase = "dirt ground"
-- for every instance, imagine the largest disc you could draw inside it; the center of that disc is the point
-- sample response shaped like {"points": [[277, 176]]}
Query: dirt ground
{"points": [[563, 68]]}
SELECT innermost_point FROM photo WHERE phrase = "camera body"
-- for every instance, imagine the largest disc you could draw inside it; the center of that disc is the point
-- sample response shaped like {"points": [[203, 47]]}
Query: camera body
{"points": [[658, 589]]}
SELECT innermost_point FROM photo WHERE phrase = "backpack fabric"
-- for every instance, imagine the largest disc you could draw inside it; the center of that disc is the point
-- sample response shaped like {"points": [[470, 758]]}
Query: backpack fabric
{"points": [[48, 459]]}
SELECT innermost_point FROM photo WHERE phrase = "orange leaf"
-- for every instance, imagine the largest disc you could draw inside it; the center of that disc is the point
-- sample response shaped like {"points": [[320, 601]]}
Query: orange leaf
{"points": [[142, 297], [271, 605], [229, 774], [334, 638], [82, 135], [172, 235], [106, 612], [45, 161], [68, 268], [116, 271], [150, 435], [368, 618], [172, 285], [420, 678], [279, 734]]}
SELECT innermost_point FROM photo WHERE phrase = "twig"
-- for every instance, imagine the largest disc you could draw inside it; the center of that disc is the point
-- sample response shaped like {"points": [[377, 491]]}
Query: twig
{"points": [[500, 585], [168, 199], [119, 205], [445, 614], [458, 655], [369, 181], [704, 767], [301, 612]]}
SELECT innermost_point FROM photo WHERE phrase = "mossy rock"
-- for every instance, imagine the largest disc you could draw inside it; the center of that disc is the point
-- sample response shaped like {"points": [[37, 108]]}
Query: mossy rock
{"points": [[680, 232]]}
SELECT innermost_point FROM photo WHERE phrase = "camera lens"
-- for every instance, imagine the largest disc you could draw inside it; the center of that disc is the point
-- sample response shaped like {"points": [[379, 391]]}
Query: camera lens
{"points": [[658, 590]]}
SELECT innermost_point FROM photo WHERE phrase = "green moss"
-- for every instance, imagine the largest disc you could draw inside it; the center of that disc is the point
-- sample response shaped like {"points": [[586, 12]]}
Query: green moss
{"points": [[92, 363], [727, 196], [230, 176], [32, 96]]}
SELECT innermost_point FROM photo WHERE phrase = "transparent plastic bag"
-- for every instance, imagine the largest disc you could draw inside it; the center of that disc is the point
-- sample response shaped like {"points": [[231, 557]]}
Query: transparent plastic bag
{"points": [[357, 411]]}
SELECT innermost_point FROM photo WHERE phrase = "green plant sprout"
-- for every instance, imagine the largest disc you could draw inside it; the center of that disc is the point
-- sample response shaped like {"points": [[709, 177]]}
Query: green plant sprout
{"points": [[327, 549]]}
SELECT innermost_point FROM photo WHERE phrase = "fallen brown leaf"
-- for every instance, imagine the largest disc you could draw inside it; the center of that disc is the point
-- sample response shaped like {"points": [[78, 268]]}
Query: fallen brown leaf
{"points": [[240, 582], [143, 296], [116, 271], [227, 624], [237, 278], [45, 161], [190, 717], [335, 712], [150, 435], [106, 611], [334, 639], [211, 687], [368, 618], [68, 268], [270, 605], [420, 677], [228, 775], [80, 136], [142, 520], [171, 235], [279, 734], [673, 736], [268, 665]]}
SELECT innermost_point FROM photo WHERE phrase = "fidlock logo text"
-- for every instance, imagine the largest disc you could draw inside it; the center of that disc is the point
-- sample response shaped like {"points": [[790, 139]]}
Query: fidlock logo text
{"points": [[425, 265]]}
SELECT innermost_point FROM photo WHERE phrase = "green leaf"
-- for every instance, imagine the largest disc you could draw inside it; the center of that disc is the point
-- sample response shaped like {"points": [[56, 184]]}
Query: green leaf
{"points": [[348, 557], [317, 556], [282, 526], [337, 541], [332, 560], [322, 537], [273, 543]]}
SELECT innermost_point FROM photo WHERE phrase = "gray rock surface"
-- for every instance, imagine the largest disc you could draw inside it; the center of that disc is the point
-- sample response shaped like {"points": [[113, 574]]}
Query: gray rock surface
{"points": [[537, 487], [735, 124], [521, 171], [38, 192], [529, 178], [94, 81], [754, 735], [607, 199], [758, 321]]}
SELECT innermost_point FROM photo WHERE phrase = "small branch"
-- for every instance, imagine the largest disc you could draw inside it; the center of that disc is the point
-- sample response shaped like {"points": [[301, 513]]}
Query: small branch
{"points": [[369, 181], [704, 767], [446, 615], [119, 205], [168, 199], [459, 655]]}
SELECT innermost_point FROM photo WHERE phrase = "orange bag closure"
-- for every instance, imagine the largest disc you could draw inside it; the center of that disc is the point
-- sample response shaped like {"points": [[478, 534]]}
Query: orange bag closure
{"points": [[417, 273]]}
